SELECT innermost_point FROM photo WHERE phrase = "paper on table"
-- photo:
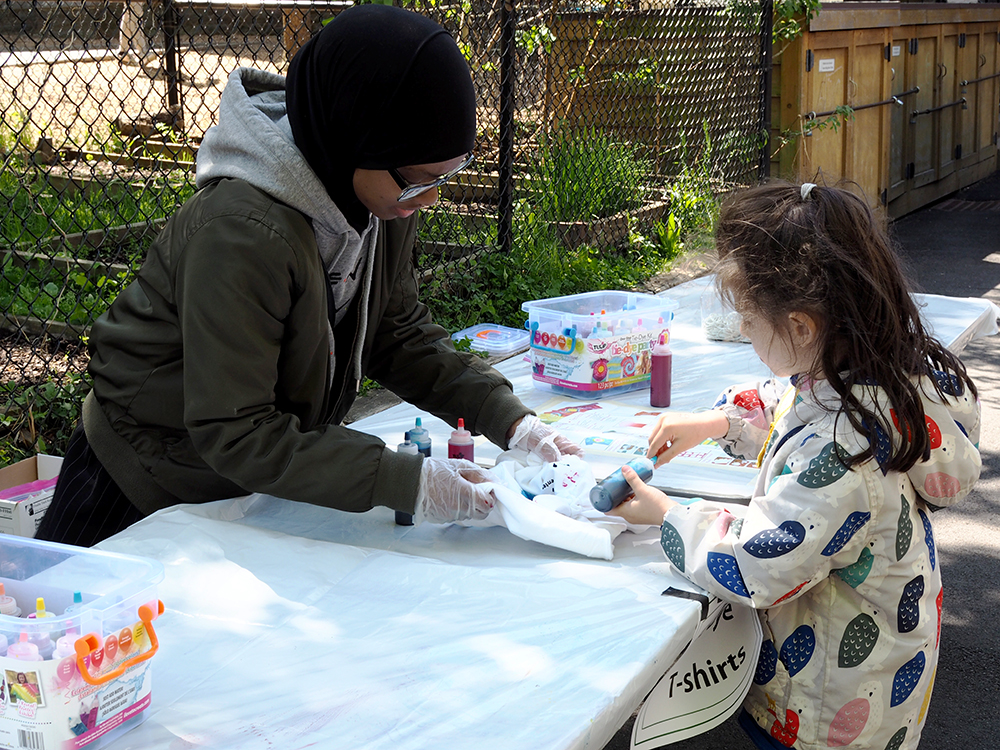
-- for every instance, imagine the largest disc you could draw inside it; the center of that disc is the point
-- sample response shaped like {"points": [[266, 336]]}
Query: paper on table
{"points": [[617, 432], [686, 701]]}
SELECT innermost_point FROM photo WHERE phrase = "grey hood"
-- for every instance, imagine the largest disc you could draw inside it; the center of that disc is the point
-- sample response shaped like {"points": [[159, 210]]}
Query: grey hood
{"points": [[253, 142]]}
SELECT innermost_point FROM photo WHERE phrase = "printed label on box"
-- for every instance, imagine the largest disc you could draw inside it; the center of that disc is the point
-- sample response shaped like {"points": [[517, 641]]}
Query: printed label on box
{"points": [[594, 364], [47, 704]]}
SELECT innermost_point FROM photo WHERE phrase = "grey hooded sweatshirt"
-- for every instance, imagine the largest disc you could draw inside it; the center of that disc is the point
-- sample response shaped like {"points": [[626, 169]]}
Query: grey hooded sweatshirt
{"points": [[220, 371]]}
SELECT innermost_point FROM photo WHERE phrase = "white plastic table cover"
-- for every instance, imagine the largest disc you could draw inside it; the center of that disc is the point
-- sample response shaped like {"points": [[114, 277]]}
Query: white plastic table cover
{"points": [[289, 626], [702, 369]]}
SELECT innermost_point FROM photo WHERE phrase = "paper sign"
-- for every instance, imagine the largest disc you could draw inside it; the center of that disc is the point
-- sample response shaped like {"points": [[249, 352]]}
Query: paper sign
{"points": [[707, 683], [827, 65]]}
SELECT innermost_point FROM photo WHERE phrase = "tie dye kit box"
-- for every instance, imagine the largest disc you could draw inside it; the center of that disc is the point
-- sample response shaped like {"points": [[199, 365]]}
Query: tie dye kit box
{"points": [[76, 639], [595, 344]]}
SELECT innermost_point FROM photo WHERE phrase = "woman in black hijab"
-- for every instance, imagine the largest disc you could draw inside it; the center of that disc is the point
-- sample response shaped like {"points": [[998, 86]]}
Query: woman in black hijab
{"points": [[228, 365], [379, 88]]}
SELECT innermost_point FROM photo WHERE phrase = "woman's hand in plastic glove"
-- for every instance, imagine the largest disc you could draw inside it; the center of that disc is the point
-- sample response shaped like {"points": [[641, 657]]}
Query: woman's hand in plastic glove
{"points": [[452, 489], [534, 436]]}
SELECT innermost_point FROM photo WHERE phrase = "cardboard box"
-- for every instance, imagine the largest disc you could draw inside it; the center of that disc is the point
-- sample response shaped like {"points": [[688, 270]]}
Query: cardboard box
{"points": [[22, 511]]}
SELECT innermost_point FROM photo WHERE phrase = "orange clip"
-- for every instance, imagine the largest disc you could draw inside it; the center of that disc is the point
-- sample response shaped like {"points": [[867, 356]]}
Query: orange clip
{"points": [[90, 643]]}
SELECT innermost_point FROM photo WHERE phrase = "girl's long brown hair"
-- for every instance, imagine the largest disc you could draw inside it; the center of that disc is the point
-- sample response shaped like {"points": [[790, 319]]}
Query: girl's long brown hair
{"points": [[829, 256]]}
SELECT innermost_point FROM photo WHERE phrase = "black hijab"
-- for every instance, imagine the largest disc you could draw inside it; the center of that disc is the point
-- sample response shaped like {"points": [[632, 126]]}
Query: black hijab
{"points": [[378, 87]]}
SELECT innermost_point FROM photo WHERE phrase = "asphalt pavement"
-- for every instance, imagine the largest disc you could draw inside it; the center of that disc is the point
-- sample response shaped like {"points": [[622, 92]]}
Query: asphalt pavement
{"points": [[953, 248]]}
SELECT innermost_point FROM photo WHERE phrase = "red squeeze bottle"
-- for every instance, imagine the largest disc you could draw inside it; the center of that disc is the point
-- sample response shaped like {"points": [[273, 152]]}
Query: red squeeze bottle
{"points": [[659, 376], [460, 444]]}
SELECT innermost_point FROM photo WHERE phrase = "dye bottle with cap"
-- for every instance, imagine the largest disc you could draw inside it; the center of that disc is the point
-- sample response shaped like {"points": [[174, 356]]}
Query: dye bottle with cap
{"points": [[8, 604], [419, 435], [660, 373], [460, 444], [407, 446], [614, 489], [77, 604], [24, 649]]}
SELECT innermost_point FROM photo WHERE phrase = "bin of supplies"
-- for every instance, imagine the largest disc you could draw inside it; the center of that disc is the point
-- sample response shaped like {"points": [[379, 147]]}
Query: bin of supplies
{"points": [[76, 640], [595, 344]]}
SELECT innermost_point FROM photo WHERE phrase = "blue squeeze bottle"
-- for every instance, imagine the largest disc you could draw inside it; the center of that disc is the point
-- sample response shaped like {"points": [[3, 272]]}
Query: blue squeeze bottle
{"points": [[422, 438], [407, 446], [614, 489]]}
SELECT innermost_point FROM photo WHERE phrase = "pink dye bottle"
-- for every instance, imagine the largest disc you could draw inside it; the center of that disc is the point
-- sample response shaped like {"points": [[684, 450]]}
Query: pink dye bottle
{"points": [[460, 444], [660, 372]]}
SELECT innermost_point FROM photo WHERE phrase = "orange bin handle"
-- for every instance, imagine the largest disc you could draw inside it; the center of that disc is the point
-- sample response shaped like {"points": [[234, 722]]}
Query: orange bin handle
{"points": [[88, 644]]}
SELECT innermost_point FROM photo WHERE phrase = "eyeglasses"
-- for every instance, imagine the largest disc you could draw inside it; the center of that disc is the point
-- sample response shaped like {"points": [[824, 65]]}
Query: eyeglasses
{"points": [[412, 191]]}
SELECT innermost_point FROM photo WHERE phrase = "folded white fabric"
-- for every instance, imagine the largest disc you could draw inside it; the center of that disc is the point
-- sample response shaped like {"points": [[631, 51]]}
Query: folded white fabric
{"points": [[550, 503]]}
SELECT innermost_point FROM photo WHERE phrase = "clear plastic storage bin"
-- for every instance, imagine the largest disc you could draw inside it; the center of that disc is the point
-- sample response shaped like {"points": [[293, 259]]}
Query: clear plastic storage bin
{"points": [[76, 639], [497, 341], [595, 344]]}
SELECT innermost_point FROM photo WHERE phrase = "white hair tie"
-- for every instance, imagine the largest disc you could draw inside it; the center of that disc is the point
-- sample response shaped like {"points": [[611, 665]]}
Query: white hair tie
{"points": [[806, 189]]}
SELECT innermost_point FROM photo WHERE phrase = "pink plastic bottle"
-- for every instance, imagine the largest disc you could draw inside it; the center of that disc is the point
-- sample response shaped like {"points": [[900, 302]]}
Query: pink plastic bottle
{"points": [[460, 444], [660, 372], [24, 650]]}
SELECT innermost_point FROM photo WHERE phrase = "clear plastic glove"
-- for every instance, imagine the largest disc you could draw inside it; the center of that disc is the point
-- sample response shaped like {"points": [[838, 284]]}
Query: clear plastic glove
{"points": [[536, 437], [452, 489]]}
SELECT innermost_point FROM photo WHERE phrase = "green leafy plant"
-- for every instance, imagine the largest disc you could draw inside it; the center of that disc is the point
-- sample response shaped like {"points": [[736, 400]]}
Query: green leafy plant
{"points": [[792, 17], [691, 193], [789, 17], [831, 122], [540, 266], [464, 344], [40, 417], [578, 176], [17, 137], [43, 292]]}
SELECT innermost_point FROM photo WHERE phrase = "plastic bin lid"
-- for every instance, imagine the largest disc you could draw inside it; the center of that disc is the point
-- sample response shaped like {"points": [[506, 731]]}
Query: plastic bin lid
{"points": [[494, 339], [589, 303]]}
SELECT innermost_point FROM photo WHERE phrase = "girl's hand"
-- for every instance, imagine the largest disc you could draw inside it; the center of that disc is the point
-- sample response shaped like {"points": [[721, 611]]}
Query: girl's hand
{"points": [[647, 506], [676, 432]]}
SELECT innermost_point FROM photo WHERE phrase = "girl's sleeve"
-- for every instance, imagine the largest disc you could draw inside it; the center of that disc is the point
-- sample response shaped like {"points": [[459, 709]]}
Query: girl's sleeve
{"points": [[953, 467], [811, 520], [750, 409]]}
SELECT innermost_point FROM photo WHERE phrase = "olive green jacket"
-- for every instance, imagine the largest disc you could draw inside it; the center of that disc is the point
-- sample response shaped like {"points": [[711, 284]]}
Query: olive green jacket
{"points": [[212, 369]]}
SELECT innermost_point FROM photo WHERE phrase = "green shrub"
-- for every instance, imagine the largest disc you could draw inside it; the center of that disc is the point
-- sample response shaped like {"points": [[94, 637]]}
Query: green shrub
{"points": [[42, 291], [585, 175], [40, 417]]}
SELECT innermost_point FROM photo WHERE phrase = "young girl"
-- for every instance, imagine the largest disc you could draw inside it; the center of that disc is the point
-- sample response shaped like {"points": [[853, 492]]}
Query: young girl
{"points": [[878, 428]]}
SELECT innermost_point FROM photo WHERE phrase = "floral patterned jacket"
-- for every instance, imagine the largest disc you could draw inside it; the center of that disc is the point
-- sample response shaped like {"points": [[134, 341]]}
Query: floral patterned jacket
{"points": [[840, 563]]}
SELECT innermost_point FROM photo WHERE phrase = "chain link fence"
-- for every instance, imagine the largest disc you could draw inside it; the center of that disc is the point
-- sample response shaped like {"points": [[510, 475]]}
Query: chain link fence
{"points": [[594, 119]]}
